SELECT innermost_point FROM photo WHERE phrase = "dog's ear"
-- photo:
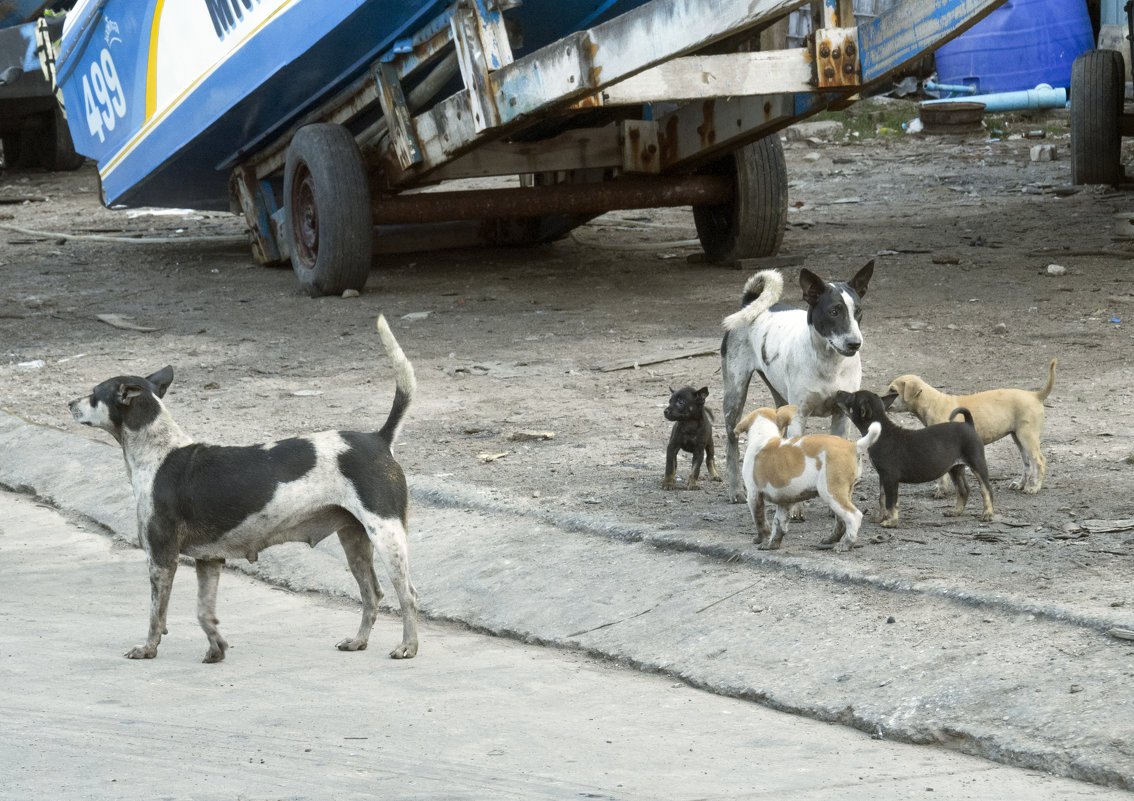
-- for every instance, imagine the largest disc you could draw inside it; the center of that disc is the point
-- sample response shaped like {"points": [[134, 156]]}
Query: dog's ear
{"points": [[862, 279], [161, 380], [703, 393], [784, 416], [812, 285], [888, 399], [127, 391]]}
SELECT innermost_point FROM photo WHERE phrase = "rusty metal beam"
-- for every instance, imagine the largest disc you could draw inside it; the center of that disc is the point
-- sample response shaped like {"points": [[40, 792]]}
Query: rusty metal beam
{"points": [[591, 198]]}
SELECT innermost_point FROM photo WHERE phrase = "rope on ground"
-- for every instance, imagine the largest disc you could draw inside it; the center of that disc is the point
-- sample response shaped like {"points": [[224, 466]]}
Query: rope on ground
{"points": [[128, 240]]}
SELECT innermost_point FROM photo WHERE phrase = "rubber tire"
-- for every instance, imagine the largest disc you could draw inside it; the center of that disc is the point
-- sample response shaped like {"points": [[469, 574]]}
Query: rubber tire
{"points": [[327, 208], [1097, 87], [751, 225]]}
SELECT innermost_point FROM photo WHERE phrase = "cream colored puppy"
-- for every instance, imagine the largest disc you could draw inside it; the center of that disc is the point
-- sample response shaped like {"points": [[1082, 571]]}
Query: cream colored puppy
{"points": [[787, 471], [996, 413]]}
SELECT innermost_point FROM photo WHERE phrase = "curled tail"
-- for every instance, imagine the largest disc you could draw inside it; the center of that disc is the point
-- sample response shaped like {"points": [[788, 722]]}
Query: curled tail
{"points": [[961, 410], [869, 438], [1043, 393], [405, 382], [761, 292]]}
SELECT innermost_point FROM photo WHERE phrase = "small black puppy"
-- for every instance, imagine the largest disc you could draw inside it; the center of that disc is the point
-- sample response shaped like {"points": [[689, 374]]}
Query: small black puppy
{"points": [[915, 456], [692, 432]]}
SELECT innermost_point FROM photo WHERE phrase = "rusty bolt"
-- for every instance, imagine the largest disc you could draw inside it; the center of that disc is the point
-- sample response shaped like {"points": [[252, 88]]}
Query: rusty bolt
{"points": [[824, 50], [829, 73], [652, 149], [851, 50], [848, 68], [836, 54]]}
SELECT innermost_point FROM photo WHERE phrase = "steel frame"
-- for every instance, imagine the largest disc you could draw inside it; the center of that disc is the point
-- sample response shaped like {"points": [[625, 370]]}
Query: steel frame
{"points": [[648, 55]]}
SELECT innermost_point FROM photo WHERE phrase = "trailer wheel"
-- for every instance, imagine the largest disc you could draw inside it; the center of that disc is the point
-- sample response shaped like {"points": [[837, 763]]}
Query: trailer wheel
{"points": [[327, 205], [1097, 84], [751, 225]]}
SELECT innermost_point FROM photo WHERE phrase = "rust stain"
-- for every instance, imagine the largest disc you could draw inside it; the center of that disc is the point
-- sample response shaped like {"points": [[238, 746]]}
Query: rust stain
{"points": [[707, 130], [667, 141]]}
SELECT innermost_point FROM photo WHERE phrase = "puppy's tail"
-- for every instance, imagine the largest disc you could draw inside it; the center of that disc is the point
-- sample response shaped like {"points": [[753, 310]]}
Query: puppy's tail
{"points": [[868, 439], [1043, 393], [961, 410], [761, 292], [405, 382]]}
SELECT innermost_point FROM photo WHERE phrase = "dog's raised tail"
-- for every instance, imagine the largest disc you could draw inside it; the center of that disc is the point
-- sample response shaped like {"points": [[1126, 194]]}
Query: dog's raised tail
{"points": [[405, 382], [965, 413], [762, 291], [869, 438], [1043, 393]]}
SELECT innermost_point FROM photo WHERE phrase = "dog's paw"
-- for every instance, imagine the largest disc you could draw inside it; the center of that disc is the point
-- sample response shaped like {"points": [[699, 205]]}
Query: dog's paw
{"points": [[352, 644], [669, 484], [843, 546], [407, 650], [1032, 490], [213, 655], [890, 522], [954, 512], [986, 517], [768, 545], [141, 652]]}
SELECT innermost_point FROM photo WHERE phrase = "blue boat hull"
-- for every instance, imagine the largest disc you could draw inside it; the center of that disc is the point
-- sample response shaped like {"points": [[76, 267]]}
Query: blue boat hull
{"points": [[165, 123]]}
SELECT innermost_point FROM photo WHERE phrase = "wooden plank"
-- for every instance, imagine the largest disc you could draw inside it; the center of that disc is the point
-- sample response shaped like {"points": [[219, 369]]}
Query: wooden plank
{"points": [[701, 77], [577, 149], [583, 63]]}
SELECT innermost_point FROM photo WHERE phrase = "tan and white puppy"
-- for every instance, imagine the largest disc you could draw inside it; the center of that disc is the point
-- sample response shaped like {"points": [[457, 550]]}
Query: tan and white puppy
{"points": [[996, 413], [787, 471]]}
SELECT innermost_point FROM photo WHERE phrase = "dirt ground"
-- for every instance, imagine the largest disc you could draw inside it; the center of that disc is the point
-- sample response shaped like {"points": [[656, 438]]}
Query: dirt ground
{"points": [[508, 341]]}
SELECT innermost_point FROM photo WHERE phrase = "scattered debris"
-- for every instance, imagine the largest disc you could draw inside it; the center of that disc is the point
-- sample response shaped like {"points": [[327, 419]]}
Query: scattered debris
{"points": [[531, 436], [491, 457], [1056, 269], [1121, 634], [1096, 526], [120, 321], [666, 356]]}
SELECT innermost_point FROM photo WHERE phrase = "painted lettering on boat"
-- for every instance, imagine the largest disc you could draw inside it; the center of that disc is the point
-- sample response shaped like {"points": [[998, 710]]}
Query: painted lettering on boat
{"points": [[228, 14]]}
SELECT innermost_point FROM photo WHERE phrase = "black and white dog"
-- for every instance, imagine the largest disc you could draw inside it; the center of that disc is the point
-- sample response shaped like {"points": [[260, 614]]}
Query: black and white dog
{"points": [[214, 503], [804, 356]]}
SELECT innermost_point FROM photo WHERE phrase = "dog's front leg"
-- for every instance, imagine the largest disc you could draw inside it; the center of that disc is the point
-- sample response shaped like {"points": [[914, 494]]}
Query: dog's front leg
{"points": [[161, 583], [669, 481], [208, 577]]}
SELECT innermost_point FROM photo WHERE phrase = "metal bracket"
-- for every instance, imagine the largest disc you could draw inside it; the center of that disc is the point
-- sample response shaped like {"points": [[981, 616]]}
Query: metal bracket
{"points": [[399, 121], [258, 204], [482, 47], [836, 58]]}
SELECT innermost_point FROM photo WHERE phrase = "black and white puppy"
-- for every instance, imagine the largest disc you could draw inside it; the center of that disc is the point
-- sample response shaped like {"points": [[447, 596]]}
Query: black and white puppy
{"points": [[915, 456], [214, 503], [692, 432], [803, 355]]}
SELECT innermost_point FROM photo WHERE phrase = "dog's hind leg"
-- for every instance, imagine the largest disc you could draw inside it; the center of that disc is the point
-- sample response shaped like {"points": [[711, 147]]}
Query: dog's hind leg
{"points": [[737, 366], [957, 473], [389, 537], [695, 473], [710, 463], [1028, 442], [161, 583], [360, 556], [756, 507], [208, 576], [978, 466], [779, 528]]}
